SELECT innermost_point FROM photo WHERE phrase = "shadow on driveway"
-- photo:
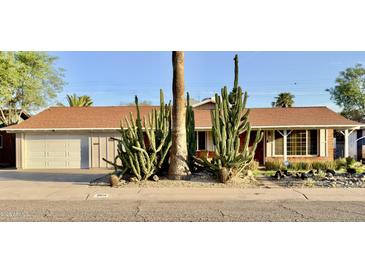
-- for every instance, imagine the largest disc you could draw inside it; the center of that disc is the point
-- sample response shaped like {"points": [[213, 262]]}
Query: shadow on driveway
{"points": [[83, 176]]}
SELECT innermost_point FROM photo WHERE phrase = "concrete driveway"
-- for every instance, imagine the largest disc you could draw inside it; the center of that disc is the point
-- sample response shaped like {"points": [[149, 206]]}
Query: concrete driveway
{"points": [[82, 176]]}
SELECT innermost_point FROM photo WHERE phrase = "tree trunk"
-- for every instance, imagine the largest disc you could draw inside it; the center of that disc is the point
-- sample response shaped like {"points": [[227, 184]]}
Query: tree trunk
{"points": [[179, 168]]}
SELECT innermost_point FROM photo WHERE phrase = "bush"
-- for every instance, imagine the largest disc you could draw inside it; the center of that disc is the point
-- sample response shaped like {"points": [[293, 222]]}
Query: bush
{"points": [[300, 166], [274, 165], [340, 163], [350, 161], [324, 165]]}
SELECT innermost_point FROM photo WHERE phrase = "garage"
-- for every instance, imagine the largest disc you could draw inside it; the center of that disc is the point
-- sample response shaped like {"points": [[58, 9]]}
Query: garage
{"points": [[56, 151]]}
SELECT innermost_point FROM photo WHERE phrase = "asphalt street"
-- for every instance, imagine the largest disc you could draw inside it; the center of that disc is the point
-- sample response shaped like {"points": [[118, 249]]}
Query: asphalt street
{"points": [[186, 211]]}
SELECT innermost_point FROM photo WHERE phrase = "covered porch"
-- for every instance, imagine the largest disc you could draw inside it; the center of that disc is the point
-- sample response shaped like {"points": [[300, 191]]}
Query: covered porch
{"points": [[301, 144]]}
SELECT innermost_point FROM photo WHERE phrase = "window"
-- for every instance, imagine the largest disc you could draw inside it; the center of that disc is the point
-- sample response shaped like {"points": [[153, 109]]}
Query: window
{"points": [[313, 142], [201, 140], [299, 142], [1, 142], [279, 143]]}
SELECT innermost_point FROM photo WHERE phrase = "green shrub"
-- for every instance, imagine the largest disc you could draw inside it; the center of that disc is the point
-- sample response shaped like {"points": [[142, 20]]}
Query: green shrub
{"points": [[340, 163], [274, 165], [300, 166], [350, 161], [323, 165]]}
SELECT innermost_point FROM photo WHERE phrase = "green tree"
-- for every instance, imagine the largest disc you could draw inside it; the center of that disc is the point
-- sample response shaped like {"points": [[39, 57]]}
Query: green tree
{"points": [[349, 92], [28, 81], [79, 101], [283, 100]]}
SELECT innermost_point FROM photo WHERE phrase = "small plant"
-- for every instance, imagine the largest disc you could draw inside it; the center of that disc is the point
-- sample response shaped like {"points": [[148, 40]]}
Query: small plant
{"points": [[300, 166], [350, 161], [310, 183], [340, 163], [324, 165], [274, 165]]}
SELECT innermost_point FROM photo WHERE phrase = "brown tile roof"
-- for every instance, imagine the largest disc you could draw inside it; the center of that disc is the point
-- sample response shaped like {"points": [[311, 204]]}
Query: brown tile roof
{"points": [[298, 116], [109, 117]]}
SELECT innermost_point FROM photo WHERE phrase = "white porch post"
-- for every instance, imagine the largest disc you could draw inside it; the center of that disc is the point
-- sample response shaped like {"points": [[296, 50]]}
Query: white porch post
{"points": [[285, 135], [346, 134]]}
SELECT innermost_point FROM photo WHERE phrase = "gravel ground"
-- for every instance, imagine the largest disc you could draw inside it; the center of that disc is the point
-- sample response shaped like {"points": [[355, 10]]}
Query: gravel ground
{"points": [[215, 211], [196, 180]]}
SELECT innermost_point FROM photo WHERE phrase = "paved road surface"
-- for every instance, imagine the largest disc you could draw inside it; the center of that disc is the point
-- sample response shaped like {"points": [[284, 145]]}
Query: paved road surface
{"points": [[117, 210]]}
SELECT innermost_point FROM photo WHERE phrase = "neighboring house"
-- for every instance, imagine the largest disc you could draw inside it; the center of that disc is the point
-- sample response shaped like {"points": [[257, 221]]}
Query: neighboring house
{"points": [[207, 103], [63, 137], [7, 145]]}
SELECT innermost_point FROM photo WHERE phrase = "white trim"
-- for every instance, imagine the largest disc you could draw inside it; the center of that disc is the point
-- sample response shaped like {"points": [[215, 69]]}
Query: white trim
{"points": [[308, 126], [210, 100], [285, 135]]}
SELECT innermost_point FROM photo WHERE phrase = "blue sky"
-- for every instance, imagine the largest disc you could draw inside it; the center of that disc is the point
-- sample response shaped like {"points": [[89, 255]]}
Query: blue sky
{"points": [[113, 78]]}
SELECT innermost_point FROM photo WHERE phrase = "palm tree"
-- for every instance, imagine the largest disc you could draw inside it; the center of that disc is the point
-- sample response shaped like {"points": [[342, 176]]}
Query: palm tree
{"points": [[178, 168], [79, 101], [283, 100]]}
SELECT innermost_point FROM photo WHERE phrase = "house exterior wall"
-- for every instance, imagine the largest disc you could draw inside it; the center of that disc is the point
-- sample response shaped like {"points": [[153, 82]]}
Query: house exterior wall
{"points": [[19, 140], [102, 146], [209, 152]]}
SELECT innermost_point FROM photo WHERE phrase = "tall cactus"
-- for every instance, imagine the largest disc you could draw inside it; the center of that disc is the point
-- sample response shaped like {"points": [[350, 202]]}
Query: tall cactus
{"points": [[229, 121], [190, 134], [142, 157]]}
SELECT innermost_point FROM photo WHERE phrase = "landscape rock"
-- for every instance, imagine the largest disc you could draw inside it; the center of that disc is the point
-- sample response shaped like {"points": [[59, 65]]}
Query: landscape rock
{"points": [[278, 175], [304, 176], [155, 178], [331, 171]]}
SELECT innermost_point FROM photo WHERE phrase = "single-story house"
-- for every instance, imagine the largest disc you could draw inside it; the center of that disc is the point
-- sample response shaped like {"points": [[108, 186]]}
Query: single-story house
{"points": [[79, 137]]}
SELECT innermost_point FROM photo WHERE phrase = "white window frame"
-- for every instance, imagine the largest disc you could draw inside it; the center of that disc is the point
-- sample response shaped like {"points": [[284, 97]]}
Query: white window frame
{"points": [[197, 141], [307, 147]]}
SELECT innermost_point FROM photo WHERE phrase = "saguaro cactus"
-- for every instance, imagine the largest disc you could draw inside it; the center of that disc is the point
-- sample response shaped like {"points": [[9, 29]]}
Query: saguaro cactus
{"points": [[142, 157], [229, 121], [190, 133]]}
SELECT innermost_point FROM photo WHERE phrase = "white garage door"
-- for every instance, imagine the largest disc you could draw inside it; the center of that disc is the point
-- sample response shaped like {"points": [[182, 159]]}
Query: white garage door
{"points": [[56, 151]]}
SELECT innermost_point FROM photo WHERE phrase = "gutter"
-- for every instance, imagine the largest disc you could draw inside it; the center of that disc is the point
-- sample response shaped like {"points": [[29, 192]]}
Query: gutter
{"points": [[197, 128]]}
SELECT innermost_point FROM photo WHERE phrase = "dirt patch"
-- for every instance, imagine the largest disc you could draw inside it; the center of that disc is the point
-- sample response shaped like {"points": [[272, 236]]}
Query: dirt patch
{"points": [[196, 180]]}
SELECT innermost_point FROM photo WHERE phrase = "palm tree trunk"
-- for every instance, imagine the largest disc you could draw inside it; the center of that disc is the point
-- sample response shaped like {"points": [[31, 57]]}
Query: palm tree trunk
{"points": [[179, 154]]}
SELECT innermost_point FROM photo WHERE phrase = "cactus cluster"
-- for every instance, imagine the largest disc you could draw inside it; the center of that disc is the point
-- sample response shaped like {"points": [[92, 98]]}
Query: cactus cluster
{"points": [[144, 155], [190, 134], [229, 121]]}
